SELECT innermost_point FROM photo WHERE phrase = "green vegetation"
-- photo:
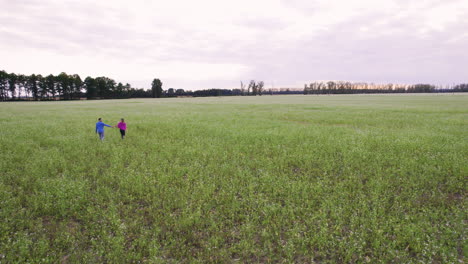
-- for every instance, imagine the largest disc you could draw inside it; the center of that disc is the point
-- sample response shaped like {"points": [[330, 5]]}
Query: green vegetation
{"points": [[369, 178]]}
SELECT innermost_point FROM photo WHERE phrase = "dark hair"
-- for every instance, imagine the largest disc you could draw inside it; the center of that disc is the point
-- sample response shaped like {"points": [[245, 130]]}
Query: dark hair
{"points": [[99, 119], [122, 119]]}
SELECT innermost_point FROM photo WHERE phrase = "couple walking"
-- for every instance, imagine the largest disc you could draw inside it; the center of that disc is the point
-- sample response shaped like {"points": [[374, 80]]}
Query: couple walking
{"points": [[100, 128]]}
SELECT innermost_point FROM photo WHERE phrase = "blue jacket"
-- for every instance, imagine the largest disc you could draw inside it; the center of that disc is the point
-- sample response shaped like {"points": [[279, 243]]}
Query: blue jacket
{"points": [[100, 127]]}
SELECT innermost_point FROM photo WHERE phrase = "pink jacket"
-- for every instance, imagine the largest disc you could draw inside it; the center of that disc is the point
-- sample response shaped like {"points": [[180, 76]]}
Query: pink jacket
{"points": [[122, 125]]}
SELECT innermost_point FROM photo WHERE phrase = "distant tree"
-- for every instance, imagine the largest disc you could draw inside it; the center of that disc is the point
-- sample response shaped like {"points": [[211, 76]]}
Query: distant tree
{"points": [[331, 85], [140, 93], [156, 88], [236, 92], [110, 87], [12, 80], [31, 86], [101, 87], [63, 85], [50, 83], [423, 88], [253, 87], [180, 92], [127, 87], [212, 92], [42, 87], [119, 90], [320, 86], [260, 87], [3, 85], [105, 87], [390, 87], [77, 85], [242, 88], [170, 92], [21, 81], [463, 87], [90, 86]]}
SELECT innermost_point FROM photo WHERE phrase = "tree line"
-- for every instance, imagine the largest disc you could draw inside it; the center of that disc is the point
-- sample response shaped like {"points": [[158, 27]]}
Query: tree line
{"points": [[341, 87], [71, 87], [63, 87], [330, 87], [253, 88]]}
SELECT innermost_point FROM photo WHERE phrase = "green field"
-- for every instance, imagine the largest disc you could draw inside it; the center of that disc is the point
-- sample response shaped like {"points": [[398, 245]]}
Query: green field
{"points": [[325, 179]]}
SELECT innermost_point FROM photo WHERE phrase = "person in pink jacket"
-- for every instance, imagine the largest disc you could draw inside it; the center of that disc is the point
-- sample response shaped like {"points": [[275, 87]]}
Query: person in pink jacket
{"points": [[123, 127]]}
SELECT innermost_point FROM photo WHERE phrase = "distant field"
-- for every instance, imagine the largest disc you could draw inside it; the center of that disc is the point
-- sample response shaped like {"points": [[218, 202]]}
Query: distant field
{"points": [[325, 179]]}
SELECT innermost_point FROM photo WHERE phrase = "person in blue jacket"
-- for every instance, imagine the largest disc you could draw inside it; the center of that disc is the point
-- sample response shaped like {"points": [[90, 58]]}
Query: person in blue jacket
{"points": [[100, 128]]}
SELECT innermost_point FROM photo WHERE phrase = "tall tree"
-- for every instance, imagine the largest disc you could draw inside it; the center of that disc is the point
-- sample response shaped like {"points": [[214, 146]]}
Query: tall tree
{"points": [[260, 86], [12, 80], [253, 86], [156, 88], [180, 92], [101, 86], [21, 81], [110, 87], [42, 87], [31, 86], [119, 89], [331, 86], [50, 83], [63, 85], [242, 88], [90, 86], [105, 87], [77, 85], [127, 87], [170, 92], [3, 85]]}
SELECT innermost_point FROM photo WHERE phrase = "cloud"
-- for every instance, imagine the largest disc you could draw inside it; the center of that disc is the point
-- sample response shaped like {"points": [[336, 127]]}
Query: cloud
{"points": [[208, 43]]}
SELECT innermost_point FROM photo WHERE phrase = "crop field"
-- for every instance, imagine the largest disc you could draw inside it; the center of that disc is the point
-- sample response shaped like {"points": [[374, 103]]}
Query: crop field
{"points": [[270, 179]]}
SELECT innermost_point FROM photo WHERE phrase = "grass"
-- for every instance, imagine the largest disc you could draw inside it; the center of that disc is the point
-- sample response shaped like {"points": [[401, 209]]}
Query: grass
{"points": [[324, 179]]}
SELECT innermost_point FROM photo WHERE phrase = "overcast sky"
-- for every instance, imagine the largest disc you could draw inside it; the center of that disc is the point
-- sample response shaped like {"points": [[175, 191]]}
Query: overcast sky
{"points": [[216, 43]]}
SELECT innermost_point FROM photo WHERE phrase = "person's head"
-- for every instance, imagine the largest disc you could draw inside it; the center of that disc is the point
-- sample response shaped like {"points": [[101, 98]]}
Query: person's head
{"points": [[122, 120], [99, 119]]}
